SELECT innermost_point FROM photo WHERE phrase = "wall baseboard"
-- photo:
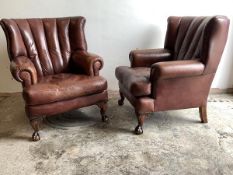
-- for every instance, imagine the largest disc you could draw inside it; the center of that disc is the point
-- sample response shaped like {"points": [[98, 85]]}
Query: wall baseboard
{"points": [[5, 94], [221, 91]]}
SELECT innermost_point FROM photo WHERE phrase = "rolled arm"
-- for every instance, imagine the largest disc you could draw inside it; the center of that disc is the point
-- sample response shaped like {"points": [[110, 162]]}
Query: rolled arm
{"points": [[176, 69], [23, 70], [145, 58], [90, 63]]}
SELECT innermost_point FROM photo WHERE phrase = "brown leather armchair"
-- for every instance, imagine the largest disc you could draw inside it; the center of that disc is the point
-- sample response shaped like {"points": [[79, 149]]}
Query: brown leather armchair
{"points": [[179, 75], [49, 57]]}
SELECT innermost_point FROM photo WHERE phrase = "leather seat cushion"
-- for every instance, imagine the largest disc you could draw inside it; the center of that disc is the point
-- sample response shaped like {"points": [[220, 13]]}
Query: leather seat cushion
{"points": [[135, 80], [59, 87]]}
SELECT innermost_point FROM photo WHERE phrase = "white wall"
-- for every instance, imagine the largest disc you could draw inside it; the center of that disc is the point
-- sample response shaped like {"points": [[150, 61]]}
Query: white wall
{"points": [[114, 27]]}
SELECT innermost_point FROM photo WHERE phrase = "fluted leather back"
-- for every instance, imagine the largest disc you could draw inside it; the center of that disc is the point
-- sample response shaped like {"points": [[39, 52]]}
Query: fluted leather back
{"points": [[194, 38], [47, 42]]}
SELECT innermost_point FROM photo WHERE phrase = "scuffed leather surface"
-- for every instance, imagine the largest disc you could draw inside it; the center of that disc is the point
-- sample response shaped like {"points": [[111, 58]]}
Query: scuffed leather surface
{"points": [[181, 93], [59, 87], [44, 54], [66, 105], [47, 42], [142, 104], [176, 69], [23, 70], [195, 45], [135, 80], [90, 63], [200, 38], [145, 58]]}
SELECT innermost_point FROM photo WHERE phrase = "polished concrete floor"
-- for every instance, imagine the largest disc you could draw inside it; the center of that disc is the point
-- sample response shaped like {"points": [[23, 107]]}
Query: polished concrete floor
{"points": [[174, 142]]}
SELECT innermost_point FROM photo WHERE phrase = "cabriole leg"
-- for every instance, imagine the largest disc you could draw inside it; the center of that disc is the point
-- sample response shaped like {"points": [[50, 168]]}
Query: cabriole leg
{"points": [[103, 108], [141, 117], [36, 123]]}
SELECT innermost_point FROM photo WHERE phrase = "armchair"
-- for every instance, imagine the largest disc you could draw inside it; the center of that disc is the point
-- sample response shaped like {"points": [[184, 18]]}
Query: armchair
{"points": [[49, 57], [179, 75]]}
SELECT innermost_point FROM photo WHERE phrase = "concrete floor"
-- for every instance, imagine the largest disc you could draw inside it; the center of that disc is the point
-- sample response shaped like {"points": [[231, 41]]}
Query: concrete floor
{"points": [[174, 142]]}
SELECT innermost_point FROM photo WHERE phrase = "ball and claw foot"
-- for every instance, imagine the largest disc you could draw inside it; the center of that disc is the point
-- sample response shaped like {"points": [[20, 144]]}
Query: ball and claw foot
{"points": [[35, 136], [105, 118], [120, 102], [103, 108], [138, 130]]}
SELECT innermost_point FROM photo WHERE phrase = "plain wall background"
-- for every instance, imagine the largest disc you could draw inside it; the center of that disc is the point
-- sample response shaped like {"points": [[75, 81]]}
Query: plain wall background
{"points": [[114, 27]]}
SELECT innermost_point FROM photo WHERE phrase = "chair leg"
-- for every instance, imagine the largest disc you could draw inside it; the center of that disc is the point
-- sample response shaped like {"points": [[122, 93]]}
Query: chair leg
{"points": [[103, 108], [141, 117], [36, 123], [121, 100], [203, 114]]}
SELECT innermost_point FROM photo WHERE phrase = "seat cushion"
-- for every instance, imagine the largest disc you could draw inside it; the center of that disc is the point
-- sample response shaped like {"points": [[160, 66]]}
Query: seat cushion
{"points": [[135, 80], [60, 87]]}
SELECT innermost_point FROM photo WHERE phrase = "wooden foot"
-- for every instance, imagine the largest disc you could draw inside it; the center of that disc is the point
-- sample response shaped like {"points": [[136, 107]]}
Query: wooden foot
{"points": [[139, 130], [35, 123], [203, 114], [35, 136], [103, 108], [121, 100]]}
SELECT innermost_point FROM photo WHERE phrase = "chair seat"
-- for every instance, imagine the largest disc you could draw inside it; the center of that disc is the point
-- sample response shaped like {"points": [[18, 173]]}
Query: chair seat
{"points": [[59, 87], [135, 80]]}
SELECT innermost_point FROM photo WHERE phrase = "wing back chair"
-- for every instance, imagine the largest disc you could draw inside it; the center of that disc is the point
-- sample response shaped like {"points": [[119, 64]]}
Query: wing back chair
{"points": [[49, 57], [179, 75]]}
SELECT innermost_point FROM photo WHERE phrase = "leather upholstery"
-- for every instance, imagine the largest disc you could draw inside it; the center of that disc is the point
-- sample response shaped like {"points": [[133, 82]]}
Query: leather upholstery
{"points": [[24, 71], [181, 93], [89, 63], [47, 42], [65, 105], [176, 69], [145, 58], [49, 57], [136, 80], [59, 87], [143, 104], [181, 73], [199, 38]]}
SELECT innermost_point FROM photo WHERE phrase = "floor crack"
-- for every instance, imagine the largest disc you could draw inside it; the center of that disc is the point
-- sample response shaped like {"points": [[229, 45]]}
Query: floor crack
{"points": [[222, 136]]}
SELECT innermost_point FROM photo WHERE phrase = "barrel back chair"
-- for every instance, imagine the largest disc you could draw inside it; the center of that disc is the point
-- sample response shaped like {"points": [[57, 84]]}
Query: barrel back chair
{"points": [[49, 57], [179, 75]]}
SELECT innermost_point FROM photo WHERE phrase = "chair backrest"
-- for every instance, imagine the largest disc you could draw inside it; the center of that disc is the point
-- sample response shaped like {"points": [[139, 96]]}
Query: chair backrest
{"points": [[47, 42], [201, 38]]}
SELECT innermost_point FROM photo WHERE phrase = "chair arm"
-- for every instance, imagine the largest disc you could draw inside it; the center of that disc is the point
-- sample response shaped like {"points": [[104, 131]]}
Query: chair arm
{"points": [[23, 70], [145, 58], [90, 63], [176, 69]]}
